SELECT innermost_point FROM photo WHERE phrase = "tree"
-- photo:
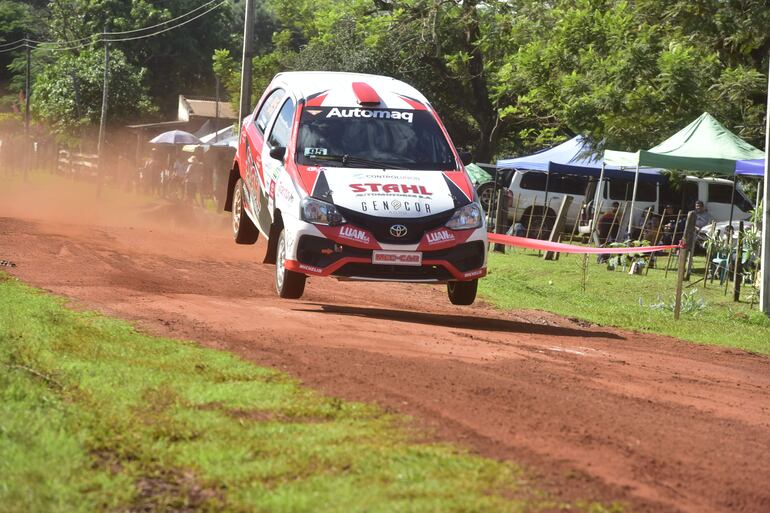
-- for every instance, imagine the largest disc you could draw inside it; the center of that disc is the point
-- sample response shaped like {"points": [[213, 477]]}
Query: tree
{"points": [[176, 61], [68, 91]]}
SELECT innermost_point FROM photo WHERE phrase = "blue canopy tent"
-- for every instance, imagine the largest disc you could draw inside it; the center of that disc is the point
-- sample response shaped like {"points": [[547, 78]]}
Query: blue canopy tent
{"points": [[750, 167], [574, 157]]}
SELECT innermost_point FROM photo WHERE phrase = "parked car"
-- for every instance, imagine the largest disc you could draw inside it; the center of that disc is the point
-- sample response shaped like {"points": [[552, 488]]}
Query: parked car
{"points": [[536, 197], [354, 176]]}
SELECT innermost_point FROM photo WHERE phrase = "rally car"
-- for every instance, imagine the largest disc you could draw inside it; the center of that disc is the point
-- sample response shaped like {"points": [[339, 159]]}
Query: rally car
{"points": [[354, 176]]}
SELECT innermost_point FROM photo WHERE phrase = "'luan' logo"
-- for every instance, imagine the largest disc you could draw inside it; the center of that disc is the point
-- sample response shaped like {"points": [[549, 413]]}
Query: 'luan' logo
{"points": [[369, 113], [354, 234], [397, 188], [440, 236]]}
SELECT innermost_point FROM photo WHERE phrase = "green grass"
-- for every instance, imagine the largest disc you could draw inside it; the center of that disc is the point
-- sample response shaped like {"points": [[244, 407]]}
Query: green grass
{"points": [[613, 298], [97, 417]]}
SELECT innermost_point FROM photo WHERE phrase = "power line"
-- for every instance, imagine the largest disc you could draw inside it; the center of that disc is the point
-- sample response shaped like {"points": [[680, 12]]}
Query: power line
{"points": [[163, 22], [22, 40], [18, 47], [170, 28], [59, 45]]}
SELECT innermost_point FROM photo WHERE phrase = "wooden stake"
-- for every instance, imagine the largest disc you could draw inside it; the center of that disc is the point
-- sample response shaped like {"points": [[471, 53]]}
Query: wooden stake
{"points": [[683, 252], [502, 213], [546, 207], [529, 218], [737, 277], [673, 238], [577, 222], [708, 254]]}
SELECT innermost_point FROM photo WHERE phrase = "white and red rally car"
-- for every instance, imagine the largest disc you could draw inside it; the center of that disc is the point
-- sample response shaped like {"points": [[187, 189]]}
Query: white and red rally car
{"points": [[354, 176]]}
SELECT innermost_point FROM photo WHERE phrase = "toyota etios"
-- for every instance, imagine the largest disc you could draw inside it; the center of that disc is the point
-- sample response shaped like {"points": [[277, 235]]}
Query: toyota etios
{"points": [[354, 176]]}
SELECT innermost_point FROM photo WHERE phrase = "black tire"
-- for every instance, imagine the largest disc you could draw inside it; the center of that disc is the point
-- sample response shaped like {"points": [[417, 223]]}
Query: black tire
{"points": [[486, 193], [244, 231], [462, 292], [288, 284], [538, 227]]}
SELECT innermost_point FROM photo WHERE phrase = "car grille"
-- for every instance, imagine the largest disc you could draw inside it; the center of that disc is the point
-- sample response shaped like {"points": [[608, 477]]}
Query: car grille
{"points": [[380, 226]]}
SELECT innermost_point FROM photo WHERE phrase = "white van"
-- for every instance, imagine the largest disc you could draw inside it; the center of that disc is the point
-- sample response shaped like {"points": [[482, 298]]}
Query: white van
{"points": [[536, 197]]}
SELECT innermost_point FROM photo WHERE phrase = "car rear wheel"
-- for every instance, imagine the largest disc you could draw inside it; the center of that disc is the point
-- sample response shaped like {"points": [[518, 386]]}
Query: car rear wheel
{"points": [[486, 192], [462, 292], [288, 284], [244, 231]]}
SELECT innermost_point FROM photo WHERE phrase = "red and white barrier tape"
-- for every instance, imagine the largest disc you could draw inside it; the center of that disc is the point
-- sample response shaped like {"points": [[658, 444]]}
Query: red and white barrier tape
{"points": [[558, 247]]}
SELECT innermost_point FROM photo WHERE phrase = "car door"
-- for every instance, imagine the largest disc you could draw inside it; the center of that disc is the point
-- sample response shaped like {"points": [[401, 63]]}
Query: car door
{"points": [[277, 137], [252, 151]]}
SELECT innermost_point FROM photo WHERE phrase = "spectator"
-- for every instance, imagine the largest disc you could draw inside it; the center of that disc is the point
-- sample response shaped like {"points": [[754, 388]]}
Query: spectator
{"points": [[150, 173], [207, 184], [178, 171], [673, 225], [193, 179], [609, 224], [650, 229], [702, 217]]}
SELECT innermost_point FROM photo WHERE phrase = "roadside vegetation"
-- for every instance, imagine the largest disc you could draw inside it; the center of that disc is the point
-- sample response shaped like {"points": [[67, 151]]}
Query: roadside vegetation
{"points": [[507, 77], [97, 417], [521, 279]]}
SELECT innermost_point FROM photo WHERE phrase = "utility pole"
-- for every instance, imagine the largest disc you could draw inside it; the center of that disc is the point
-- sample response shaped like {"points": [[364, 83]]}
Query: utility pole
{"points": [[103, 121], [27, 89], [216, 111], [764, 286], [248, 54]]}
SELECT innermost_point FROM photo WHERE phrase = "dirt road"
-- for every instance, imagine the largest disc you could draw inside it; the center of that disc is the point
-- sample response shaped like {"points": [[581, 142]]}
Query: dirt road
{"points": [[592, 413]]}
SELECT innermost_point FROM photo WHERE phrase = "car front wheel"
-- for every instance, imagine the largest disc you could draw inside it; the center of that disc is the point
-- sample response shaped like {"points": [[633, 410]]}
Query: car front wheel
{"points": [[462, 292], [288, 284]]}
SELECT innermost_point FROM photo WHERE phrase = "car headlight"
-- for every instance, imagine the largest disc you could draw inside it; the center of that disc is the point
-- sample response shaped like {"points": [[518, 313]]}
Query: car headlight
{"points": [[320, 212], [466, 218]]}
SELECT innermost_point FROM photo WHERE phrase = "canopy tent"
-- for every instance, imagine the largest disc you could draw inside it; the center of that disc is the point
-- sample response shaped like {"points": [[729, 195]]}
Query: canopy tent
{"points": [[477, 174], [574, 157], [703, 145], [750, 167]]}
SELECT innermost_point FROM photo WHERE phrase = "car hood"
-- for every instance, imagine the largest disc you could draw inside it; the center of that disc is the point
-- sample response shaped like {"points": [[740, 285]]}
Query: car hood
{"points": [[389, 193]]}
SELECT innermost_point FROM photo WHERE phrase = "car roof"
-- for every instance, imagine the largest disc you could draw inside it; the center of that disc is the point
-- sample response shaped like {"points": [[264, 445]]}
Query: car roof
{"points": [[307, 84]]}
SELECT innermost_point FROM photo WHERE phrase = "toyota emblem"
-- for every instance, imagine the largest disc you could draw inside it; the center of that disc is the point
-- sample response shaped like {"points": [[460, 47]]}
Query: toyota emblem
{"points": [[398, 230]]}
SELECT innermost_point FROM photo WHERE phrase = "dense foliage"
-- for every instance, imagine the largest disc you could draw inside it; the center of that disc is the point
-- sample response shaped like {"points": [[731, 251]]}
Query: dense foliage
{"points": [[507, 76]]}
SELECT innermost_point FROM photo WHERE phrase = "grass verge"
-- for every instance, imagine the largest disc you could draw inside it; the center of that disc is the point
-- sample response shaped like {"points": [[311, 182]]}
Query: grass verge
{"points": [[521, 279], [97, 417]]}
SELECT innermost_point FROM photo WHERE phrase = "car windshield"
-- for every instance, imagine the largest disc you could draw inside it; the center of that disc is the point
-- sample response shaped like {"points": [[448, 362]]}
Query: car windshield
{"points": [[364, 137]]}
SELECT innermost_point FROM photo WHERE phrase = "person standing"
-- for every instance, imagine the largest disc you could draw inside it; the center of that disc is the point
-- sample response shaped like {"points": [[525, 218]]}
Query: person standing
{"points": [[702, 216], [609, 224], [193, 179], [150, 175]]}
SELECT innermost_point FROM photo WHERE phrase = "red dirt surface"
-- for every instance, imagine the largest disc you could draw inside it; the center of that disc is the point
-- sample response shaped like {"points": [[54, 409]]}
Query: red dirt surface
{"points": [[592, 413]]}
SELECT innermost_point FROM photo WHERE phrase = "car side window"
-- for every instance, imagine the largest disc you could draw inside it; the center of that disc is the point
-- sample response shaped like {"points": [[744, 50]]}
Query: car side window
{"points": [[279, 136], [268, 108], [720, 193], [533, 181], [742, 203]]}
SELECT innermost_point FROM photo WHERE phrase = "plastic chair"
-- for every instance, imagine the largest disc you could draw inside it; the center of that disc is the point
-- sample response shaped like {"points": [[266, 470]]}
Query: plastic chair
{"points": [[720, 264]]}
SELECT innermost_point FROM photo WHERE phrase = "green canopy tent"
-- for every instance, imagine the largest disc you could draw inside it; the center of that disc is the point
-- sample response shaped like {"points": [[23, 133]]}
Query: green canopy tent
{"points": [[703, 145]]}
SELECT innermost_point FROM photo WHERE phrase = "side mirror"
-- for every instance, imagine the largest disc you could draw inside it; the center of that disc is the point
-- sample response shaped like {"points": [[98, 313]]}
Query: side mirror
{"points": [[466, 157], [277, 152]]}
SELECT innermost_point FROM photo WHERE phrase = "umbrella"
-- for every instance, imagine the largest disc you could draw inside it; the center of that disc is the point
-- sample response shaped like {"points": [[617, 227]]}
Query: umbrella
{"points": [[175, 137]]}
